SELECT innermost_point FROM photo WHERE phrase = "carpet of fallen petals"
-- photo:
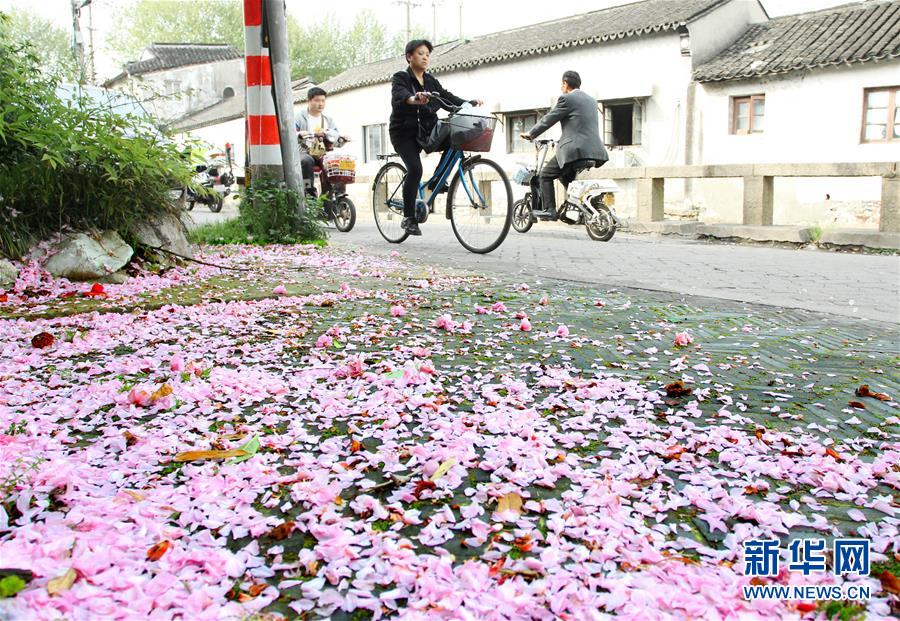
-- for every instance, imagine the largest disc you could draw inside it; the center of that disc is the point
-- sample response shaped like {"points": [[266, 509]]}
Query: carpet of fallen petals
{"points": [[336, 435]]}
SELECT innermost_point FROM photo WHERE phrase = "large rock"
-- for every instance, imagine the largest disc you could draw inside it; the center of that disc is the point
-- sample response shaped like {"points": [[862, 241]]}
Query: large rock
{"points": [[166, 232], [8, 273], [84, 257]]}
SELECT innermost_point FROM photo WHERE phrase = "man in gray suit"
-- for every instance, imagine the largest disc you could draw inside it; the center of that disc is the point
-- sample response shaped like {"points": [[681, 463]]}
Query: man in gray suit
{"points": [[579, 147]]}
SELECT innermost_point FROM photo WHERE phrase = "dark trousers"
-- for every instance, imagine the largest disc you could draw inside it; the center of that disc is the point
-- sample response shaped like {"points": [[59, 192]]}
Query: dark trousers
{"points": [[408, 149], [551, 172], [307, 168]]}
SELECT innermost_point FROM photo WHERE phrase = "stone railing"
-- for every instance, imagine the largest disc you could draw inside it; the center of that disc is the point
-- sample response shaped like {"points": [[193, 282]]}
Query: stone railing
{"points": [[758, 186]]}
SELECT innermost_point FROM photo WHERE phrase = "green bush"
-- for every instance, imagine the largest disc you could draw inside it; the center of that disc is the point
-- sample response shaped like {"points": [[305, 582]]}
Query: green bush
{"points": [[73, 164], [269, 215]]}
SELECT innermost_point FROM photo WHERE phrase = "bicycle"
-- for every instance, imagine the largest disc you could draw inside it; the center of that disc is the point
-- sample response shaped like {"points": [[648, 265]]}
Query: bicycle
{"points": [[479, 196]]}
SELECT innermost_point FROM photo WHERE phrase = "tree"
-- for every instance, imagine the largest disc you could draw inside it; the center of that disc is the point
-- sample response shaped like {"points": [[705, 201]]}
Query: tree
{"points": [[170, 21], [52, 45]]}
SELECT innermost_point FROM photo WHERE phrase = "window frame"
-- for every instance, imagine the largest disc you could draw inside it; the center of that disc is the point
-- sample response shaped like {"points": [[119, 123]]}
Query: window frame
{"points": [[508, 121], [750, 100], [373, 157], [638, 114], [893, 104]]}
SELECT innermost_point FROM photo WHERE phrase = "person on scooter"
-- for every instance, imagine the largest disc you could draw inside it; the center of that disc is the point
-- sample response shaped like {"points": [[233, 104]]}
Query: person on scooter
{"points": [[413, 115], [578, 148], [313, 122]]}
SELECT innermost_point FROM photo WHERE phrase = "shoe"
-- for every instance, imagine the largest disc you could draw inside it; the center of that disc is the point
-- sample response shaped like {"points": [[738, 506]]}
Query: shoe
{"points": [[410, 226]]}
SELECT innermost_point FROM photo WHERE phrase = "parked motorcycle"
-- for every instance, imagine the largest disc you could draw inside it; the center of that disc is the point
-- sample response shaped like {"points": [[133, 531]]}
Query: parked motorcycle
{"points": [[215, 178], [334, 173], [588, 201]]}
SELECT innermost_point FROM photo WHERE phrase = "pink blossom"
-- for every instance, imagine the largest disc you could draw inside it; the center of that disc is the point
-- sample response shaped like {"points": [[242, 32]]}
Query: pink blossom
{"points": [[139, 396], [394, 253], [444, 322], [280, 290], [525, 326], [599, 303], [324, 341], [176, 364], [562, 331], [499, 307], [397, 311], [544, 301], [683, 338], [524, 288], [481, 310]]}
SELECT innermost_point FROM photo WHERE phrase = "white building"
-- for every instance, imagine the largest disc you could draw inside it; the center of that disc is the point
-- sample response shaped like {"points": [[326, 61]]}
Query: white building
{"points": [[651, 65], [815, 87], [173, 80]]}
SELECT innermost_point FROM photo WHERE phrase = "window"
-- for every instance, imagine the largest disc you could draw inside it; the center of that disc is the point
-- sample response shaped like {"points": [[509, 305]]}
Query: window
{"points": [[374, 141], [881, 115], [623, 122], [748, 114], [517, 123]]}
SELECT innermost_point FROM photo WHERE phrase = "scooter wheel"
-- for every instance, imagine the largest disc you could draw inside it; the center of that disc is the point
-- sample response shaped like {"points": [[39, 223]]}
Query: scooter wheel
{"points": [[522, 219], [216, 205]]}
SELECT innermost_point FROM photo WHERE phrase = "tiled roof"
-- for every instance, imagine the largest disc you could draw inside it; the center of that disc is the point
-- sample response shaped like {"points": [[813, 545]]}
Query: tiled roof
{"points": [[617, 22], [170, 55], [853, 33]]}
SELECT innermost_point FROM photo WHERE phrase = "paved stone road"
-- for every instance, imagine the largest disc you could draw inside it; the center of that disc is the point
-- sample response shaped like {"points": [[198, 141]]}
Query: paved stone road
{"points": [[855, 285]]}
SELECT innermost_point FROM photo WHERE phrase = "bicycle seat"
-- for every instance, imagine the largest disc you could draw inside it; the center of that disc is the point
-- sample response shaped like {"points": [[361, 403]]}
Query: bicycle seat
{"points": [[543, 141], [386, 156]]}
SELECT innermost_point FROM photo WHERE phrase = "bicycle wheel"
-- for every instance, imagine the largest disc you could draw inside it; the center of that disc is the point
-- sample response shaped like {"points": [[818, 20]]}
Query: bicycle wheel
{"points": [[480, 204], [344, 214], [387, 202]]}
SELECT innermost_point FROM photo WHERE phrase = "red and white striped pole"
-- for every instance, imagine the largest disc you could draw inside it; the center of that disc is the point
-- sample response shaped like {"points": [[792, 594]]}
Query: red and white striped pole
{"points": [[263, 143]]}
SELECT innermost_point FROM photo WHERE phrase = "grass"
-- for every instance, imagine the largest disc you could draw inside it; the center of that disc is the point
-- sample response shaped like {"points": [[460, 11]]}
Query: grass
{"points": [[224, 232]]}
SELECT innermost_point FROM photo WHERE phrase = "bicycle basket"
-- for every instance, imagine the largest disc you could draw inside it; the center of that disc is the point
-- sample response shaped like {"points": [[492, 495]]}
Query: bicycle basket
{"points": [[523, 175], [471, 133], [339, 168]]}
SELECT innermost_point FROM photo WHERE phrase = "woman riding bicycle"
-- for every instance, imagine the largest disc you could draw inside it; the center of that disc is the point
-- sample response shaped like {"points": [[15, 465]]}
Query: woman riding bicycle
{"points": [[413, 115]]}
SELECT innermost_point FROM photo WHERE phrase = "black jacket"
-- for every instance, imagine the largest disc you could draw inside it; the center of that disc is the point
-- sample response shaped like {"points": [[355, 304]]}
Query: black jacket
{"points": [[406, 120]]}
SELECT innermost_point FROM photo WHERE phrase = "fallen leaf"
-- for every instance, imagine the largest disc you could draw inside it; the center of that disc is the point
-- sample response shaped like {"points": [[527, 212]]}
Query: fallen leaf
{"points": [[248, 449], [421, 486], [134, 495], [355, 446], [833, 453], [130, 438], [256, 589], [889, 582], [200, 455], [857, 405], [678, 389], [282, 531], [163, 391], [751, 489], [510, 502], [42, 340], [865, 391], [443, 468], [62, 583], [156, 551]]}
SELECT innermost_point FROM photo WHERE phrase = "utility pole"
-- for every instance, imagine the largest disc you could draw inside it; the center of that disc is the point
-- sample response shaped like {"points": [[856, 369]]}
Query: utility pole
{"points": [[77, 39], [460, 20], [279, 55], [434, 33], [409, 5], [93, 73]]}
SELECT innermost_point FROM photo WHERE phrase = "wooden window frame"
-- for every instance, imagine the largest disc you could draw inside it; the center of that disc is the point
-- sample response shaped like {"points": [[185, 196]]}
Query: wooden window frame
{"points": [[373, 157], [508, 122], [750, 100], [891, 109]]}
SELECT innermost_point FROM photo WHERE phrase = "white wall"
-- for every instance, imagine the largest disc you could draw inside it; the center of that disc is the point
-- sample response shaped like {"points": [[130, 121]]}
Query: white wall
{"points": [[718, 29], [217, 135], [201, 86], [608, 71], [813, 116]]}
